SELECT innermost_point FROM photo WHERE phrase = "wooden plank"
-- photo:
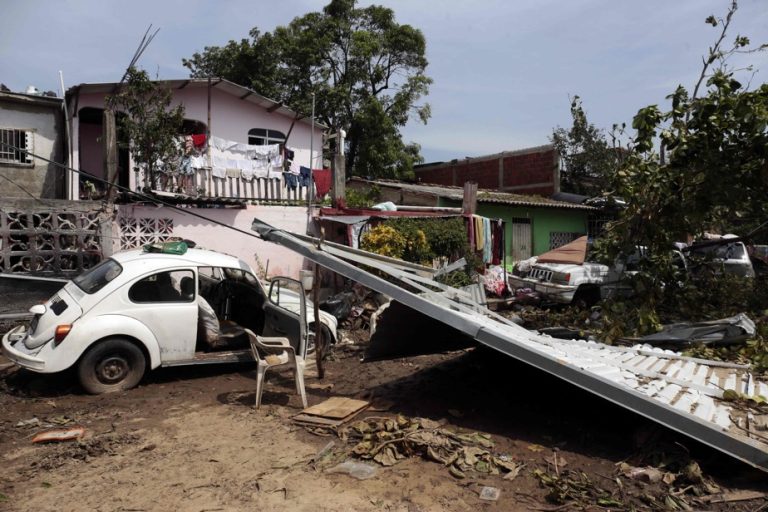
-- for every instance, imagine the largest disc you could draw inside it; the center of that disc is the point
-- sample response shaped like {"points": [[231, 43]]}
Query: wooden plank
{"points": [[308, 419], [336, 407]]}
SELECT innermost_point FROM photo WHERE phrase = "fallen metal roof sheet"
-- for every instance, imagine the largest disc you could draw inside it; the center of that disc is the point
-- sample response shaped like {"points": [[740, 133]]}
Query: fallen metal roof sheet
{"points": [[682, 393]]}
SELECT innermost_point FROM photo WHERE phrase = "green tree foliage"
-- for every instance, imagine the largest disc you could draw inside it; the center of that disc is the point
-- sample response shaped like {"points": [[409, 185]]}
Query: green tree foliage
{"points": [[589, 161], [710, 175], [366, 70], [148, 121]]}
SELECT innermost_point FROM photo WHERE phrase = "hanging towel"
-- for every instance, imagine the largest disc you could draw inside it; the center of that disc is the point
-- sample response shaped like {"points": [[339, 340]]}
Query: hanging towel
{"points": [[487, 241], [322, 179]]}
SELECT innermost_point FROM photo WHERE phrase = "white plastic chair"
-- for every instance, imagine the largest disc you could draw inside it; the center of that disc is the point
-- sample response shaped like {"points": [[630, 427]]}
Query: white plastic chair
{"points": [[273, 352]]}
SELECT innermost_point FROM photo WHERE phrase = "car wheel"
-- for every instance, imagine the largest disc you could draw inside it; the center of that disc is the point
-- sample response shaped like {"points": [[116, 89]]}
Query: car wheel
{"points": [[112, 365]]}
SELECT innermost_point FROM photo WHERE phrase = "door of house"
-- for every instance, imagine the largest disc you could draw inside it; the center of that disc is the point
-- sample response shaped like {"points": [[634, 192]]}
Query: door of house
{"points": [[521, 239]]}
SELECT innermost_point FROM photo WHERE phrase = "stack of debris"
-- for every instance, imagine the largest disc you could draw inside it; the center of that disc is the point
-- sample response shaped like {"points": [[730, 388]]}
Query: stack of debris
{"points": [[355, 308]]}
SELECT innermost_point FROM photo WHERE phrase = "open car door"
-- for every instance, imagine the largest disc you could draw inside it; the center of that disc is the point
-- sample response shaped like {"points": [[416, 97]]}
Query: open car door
{"points": [[285, 313]]}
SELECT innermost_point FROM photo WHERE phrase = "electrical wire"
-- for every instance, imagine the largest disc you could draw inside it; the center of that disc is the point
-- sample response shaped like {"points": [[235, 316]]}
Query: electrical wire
{"points": [[144, 197]]}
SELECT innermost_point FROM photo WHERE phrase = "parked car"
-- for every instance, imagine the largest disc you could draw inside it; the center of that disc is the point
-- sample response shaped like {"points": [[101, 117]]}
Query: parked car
{"points": [[139, 310], [720, 255], [565, 275]]}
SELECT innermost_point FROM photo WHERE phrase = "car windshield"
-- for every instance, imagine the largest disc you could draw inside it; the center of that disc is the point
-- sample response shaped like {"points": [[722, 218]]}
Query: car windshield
{"points": [[97, 278]]}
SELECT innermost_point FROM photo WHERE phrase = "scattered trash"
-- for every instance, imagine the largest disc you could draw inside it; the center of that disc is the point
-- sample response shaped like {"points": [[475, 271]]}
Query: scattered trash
{"points": [[536, 447], [647, 474], [490, 493], [726, 331], [58, 435], [28, 423], [514, 470], [359, 470], [324, 452]]}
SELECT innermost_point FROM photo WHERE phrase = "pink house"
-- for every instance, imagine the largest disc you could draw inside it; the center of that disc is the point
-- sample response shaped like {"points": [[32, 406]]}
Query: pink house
{"points": [[219, 107], [228, 112]]}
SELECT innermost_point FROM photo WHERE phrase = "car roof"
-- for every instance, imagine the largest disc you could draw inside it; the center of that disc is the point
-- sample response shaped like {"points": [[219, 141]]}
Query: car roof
{"points": [[197, 257]]}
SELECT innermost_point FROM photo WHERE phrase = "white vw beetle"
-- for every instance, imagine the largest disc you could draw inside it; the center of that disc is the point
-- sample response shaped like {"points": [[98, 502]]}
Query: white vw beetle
{"points": [[144, 309]]}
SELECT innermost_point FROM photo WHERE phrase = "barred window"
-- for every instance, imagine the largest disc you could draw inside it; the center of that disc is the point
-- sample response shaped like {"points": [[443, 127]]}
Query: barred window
{"points": [[15, 145], [560, 238]]}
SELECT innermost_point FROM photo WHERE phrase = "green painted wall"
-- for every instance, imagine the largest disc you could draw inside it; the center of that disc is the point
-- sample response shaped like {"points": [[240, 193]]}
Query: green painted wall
{"points": [[543, 222]]}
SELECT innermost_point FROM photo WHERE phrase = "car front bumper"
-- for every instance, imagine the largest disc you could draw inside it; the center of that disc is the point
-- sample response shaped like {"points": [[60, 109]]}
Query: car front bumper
{"points": [[14, 349], [561, 293]]}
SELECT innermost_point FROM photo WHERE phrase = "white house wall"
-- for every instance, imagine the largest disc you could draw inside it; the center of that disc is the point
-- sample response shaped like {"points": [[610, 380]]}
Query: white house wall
{"points": [[139, 224], [43, 179]]}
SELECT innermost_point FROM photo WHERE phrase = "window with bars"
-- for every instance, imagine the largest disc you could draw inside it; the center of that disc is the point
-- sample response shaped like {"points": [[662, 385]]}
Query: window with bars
{"points": [[560, 238], [14, 145], [265, 137]]}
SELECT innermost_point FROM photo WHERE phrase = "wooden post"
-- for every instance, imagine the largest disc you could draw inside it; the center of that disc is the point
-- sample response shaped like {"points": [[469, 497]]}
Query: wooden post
{"points": [[469, 201], [320, 342], [109, 139]]}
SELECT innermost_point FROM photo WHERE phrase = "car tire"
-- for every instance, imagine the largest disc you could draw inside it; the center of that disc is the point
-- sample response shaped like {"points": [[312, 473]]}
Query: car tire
{"points": [[111, 365]]}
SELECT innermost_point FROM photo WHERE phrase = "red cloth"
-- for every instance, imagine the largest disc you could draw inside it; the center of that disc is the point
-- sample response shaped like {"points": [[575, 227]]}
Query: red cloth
{"points": [[198, 140], [322, 178]]}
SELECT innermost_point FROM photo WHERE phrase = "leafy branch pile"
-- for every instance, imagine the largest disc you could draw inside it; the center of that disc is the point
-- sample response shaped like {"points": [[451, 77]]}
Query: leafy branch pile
{"points": [[389, 440], [575, 488]]}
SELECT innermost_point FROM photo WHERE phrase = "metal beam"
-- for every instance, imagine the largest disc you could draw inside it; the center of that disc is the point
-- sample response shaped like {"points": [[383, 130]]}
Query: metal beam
{"points": [[678, 392]]}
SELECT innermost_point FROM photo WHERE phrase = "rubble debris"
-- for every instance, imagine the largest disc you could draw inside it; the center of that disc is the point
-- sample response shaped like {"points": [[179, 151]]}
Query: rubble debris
{"points": [[726, 331], [59, 434]]}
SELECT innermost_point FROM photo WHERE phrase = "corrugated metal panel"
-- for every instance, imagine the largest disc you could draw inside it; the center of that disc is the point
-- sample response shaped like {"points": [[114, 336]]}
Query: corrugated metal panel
{"points": [[683, 393]]}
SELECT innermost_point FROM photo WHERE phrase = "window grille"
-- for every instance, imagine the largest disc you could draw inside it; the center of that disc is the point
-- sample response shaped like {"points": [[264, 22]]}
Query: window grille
{"points": [[16, 146]]}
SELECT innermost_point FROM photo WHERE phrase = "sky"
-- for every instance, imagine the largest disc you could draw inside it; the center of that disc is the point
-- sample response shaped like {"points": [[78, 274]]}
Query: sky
{"points": [[504, 70]]}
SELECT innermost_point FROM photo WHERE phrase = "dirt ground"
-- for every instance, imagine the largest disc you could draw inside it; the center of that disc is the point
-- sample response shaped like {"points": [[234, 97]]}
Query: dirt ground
{"points": [[189, 439]]}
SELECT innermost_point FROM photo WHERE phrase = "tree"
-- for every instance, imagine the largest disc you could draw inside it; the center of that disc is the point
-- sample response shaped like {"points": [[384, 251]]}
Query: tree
{"points": [[589, 161], [710, 173], [148, 122], [365, 69]]}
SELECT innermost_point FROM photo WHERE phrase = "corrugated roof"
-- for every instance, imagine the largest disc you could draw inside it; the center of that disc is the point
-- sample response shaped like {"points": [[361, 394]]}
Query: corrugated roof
{"points": [[242, 92], [483, 196]]}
